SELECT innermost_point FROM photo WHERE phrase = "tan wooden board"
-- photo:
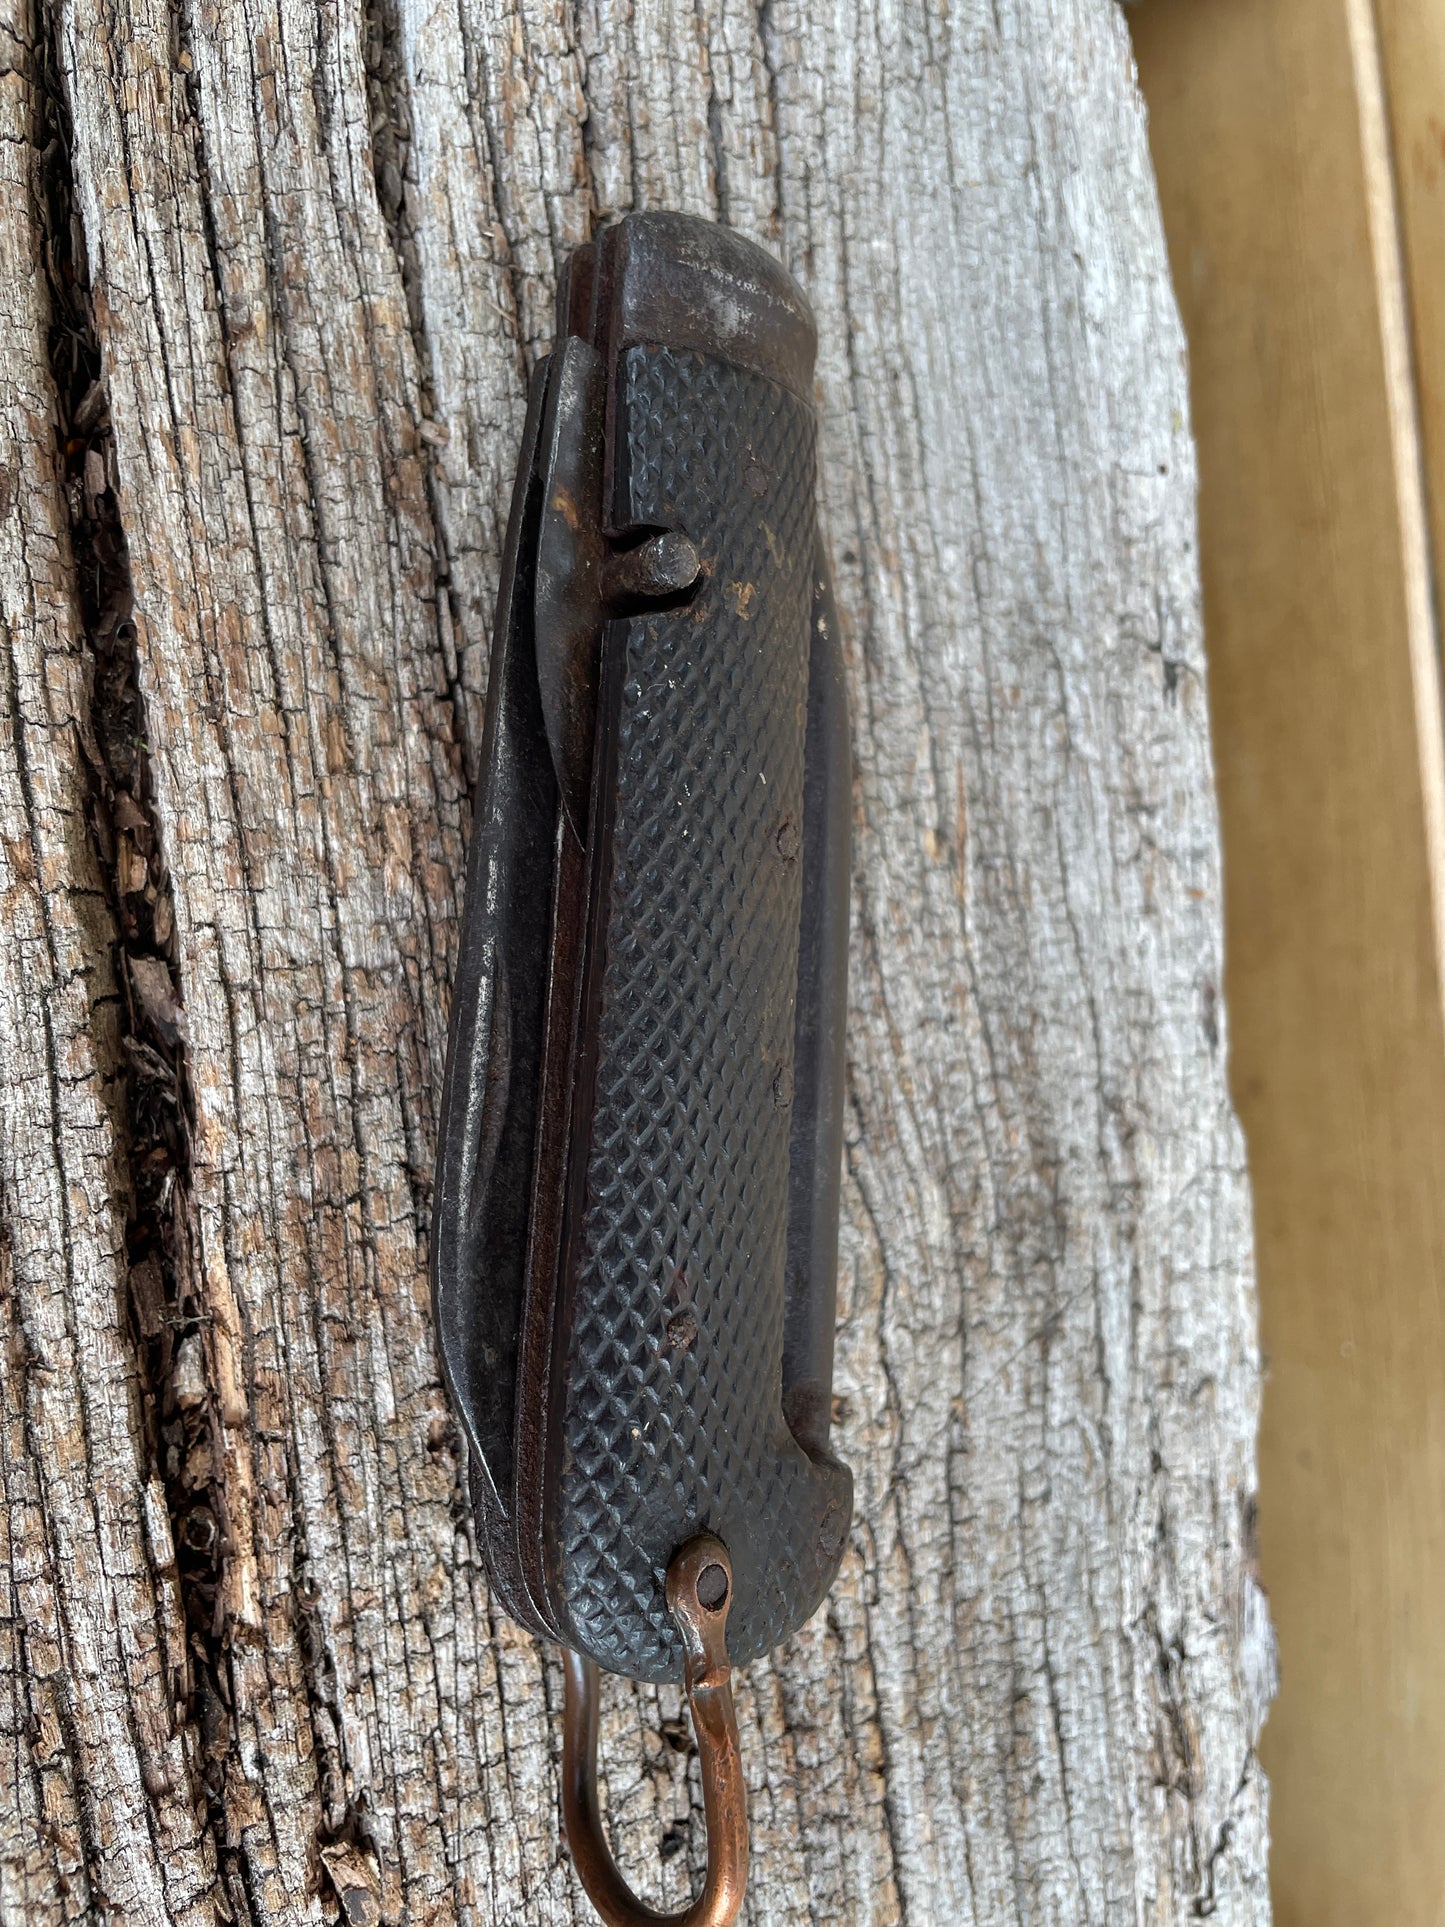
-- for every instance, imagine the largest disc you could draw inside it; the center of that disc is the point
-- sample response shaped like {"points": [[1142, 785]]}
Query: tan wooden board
{"points": [[1412, 59], [1269, 131]]}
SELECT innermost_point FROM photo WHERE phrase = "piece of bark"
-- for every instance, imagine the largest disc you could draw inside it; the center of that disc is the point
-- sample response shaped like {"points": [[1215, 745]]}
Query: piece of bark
{"points": [[321, 245]]}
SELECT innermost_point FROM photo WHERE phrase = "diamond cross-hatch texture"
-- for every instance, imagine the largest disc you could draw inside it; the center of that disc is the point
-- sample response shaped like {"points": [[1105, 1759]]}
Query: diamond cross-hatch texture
{"points": [[673, 1417]]}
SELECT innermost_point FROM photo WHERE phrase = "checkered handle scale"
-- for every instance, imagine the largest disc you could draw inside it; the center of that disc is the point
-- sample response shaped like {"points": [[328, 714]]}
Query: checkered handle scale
{"points": [[672, 1419]]}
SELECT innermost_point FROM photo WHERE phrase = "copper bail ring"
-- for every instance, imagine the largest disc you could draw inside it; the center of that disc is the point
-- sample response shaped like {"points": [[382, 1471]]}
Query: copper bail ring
{"points": [[699, 1592]]}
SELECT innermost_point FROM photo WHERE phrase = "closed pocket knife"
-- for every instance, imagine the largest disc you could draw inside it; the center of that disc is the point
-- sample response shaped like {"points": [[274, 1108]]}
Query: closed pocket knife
{"points": [[636, 1201]]}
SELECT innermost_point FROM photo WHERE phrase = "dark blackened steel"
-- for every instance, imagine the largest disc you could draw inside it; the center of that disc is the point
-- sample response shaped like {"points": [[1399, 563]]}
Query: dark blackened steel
{"points": [[635, 1233], [699, 1592], [636, 1203], [568, 612], [702, 289], [490, 1102], [816, 1154]]}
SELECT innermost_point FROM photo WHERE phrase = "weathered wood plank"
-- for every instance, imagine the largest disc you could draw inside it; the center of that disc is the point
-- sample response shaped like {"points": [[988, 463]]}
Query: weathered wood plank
{"points": [[1315, 514], [323, 242], [94, 1801]]}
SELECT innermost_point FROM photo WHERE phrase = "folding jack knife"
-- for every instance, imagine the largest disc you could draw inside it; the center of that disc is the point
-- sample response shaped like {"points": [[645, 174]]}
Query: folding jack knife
{"points": [[635, 1239]]}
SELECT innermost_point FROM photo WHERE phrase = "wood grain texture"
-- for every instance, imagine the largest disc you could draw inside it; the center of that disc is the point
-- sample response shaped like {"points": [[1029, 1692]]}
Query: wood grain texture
{"points": [[1274, 173], [322, 242], [95, 1810]]}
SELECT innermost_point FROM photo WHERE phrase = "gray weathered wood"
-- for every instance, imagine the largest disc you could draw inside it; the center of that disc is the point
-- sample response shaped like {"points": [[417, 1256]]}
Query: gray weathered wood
{"points": [[322, 241]]}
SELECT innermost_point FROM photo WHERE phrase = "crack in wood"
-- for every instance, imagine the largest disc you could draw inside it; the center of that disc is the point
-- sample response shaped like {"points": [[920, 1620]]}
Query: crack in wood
{"points": [[389, 103], [154, 1118]]}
